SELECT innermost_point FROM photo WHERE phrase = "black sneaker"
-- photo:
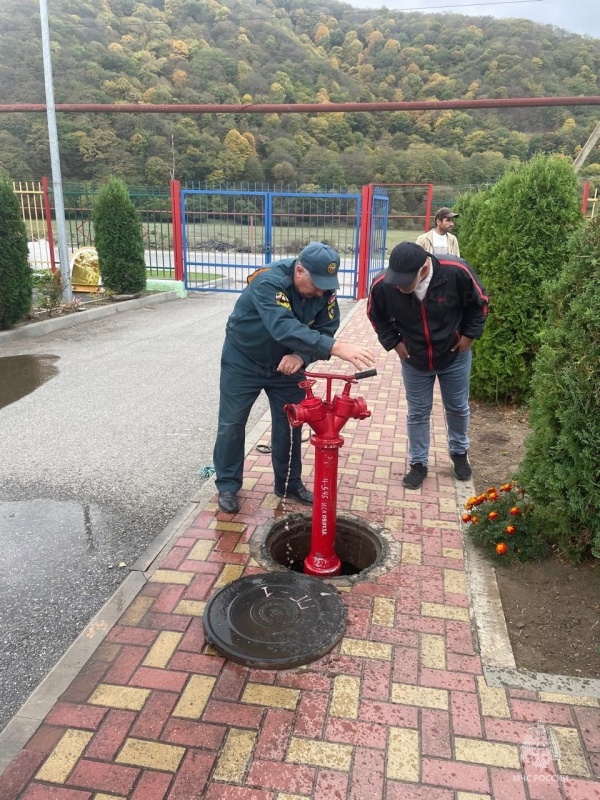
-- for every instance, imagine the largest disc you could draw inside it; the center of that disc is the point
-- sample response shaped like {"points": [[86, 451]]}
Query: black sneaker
{"points": [[462, 469], [415, 476]]}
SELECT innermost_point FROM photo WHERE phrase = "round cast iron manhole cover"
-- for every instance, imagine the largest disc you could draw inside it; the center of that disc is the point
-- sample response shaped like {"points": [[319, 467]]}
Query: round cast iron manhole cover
{"points": [[275, 620]]}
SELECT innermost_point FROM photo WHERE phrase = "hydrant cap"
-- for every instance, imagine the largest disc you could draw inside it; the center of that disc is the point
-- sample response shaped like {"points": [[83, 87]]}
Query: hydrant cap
{"points": [[323, 264]]}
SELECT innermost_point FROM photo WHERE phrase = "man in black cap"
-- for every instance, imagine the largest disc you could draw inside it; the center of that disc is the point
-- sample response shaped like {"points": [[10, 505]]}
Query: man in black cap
{"points": [[439, 240], [284, 319], [429, 309]]}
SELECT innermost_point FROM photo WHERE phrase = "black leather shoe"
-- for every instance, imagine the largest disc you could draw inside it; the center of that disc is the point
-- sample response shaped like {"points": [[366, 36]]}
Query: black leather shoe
{"points": [[228, 502], [301, 495], [415, 476]]}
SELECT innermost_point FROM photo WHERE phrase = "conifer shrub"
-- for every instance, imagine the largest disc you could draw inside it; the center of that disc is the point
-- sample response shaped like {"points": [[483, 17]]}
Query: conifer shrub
{"points": [[119, 240], [15, 273], [521, 227], [561, 466]]}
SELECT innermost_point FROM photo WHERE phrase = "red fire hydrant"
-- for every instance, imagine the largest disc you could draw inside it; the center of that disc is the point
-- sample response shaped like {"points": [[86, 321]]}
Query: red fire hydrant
{"points": [[326, 418]]}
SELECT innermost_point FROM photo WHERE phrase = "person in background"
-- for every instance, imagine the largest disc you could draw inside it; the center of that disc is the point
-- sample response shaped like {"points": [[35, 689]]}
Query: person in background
{"points": [[284, 319], [429, 309], [439, 240]]}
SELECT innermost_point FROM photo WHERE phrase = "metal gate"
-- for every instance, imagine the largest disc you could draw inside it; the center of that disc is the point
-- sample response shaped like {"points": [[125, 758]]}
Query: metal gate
{"points": [[227, 234]]}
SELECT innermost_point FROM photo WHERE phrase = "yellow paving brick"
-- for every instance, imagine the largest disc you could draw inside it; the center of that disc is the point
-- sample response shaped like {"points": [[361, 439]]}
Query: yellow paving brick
{"points": [[286, 796], [234, 756], [249, 483], [454, 582], [256, 468], [235, 527], [273, 696], [433, 651], [107, 653], [192, 608], [493, 701], [571, 757], [384, 612], [364, 649], [151, 755], [319, 754], [403, 504], [403, 757], [229, 573], [201, 550], [353, 458], [407, 695], [490, 753], [393, 522], [103, 796], [441, 523], [371, 487], [61, 761], [445, 612], [374, 435], [569, 699], [136, 610], [452, 552], [271, 501], [447, 505], [382, 472], [162, 649], [344, 702], [347, 471], [172, 576], [471, 796], [359, 503], [195, 696], [241, 548], [112, 696], [411, 553]]}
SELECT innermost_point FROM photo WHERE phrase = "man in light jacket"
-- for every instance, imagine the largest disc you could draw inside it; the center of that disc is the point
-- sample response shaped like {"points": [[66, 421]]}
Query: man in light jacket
{"points": [[439, 241]]}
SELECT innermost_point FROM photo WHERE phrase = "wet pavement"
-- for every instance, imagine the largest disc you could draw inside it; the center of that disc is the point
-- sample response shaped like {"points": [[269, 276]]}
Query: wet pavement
{"points": [[20, 375]]}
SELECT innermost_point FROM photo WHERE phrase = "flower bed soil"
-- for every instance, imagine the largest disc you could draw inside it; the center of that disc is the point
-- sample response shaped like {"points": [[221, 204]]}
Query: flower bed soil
{"points": [[552, 608]]}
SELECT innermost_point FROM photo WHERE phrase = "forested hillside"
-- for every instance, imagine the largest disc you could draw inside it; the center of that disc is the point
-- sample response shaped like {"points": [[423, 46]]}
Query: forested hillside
{"points": [[292, 51]]}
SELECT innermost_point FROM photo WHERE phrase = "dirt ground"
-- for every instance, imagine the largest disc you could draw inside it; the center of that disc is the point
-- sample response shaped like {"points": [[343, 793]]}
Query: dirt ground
{"points": [[552, 608]]}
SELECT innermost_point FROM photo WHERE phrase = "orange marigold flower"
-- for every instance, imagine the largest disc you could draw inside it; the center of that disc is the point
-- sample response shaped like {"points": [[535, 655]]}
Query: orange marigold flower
{"points": [[474, 520], [491, 490], [501, 548], [510, 529], [466, 518], [493, 497], [493, 515], [515, 511], [506, 487]]}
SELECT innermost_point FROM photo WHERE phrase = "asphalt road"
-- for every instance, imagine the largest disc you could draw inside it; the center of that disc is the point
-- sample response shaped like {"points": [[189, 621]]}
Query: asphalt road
{"points": [[93, 465]]}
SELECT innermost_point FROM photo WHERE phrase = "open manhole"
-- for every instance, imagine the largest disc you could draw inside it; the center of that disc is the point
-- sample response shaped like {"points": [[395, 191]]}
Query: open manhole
{"points": [[358, 546]]}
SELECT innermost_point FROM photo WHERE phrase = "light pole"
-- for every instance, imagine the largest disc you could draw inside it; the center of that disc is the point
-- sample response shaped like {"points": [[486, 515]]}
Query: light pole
{"points": [[59, 205]]}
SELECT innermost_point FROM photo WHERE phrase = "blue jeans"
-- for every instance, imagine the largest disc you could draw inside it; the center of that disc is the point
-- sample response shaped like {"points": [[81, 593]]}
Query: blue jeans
{"points": [[454, 386]]}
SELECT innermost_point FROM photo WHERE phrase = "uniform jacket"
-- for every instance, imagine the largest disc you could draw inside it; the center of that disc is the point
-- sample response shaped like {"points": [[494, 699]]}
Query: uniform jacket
{"points": [[271, 320], [455, 305], [426, 242]]}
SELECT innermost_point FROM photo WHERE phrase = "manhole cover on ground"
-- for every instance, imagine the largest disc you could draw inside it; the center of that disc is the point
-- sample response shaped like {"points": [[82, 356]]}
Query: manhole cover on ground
{"points": [[275, 621]]}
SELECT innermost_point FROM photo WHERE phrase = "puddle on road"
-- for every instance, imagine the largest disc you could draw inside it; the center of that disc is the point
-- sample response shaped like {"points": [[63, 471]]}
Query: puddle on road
{"points": [[21, 375]]}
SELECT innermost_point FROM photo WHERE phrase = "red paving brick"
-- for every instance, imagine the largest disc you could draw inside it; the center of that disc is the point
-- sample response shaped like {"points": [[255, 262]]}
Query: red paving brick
{"points": [[388, 693]]}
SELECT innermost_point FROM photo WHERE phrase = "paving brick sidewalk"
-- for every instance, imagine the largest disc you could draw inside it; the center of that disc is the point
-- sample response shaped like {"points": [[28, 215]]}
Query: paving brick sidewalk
{"points": [[399, 710]]}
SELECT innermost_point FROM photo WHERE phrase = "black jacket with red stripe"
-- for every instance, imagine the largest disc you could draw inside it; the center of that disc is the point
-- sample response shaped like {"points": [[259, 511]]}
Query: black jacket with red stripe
{"points": [[455, 305]]}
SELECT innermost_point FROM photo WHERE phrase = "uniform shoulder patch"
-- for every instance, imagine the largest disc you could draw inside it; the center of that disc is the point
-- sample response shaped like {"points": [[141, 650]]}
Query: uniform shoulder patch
{"points": [[282, 299], [331, 306]]}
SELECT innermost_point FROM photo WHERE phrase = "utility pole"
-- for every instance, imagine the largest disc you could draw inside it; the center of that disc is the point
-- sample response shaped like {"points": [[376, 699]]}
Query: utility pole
{"points": [[587, 148], [59, 205]]}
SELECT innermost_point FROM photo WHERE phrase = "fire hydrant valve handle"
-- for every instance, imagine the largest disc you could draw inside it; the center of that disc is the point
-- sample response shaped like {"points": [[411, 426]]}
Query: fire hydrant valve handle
{"points": [[367, 373]]}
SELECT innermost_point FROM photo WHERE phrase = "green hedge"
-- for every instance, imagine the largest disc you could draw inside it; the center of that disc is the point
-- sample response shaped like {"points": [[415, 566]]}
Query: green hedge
{"points": [[515, 236], [561, 467], [15, 273], [119, 240]]}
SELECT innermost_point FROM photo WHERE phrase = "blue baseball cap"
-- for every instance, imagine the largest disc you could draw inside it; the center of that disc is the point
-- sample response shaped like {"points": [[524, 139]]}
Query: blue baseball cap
{"points": [[323, 264]]}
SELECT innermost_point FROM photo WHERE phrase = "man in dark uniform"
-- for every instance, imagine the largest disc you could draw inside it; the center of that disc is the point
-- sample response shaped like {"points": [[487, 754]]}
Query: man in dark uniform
{"points": [[284, 319]]}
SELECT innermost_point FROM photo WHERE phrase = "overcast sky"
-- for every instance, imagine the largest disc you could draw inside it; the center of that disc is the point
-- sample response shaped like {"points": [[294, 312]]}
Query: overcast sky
{"points": [[578, 16]]}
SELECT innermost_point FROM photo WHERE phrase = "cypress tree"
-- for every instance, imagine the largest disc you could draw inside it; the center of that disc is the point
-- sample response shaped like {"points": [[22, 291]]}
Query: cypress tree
{"points": [[119, 240], [561, 466], [15, 272], [519, 241]]}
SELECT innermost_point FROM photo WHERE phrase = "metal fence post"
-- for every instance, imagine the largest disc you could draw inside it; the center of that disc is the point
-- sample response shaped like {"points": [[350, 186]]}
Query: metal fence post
{"points": [[48, 215], [585, 198], [364, 248], [176, 221], [428, 206]]}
